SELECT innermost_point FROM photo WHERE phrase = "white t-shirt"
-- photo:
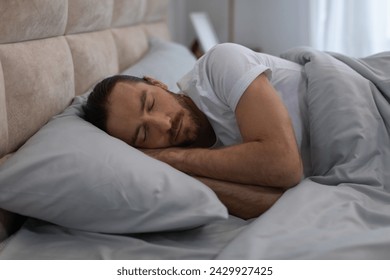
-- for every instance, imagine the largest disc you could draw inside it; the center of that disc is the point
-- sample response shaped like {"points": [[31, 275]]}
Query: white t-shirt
{"points": [[220, 77]]}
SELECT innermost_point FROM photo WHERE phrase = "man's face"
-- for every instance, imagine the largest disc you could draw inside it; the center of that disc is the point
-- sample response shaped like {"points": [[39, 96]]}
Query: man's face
{"points": [[148, 116]]}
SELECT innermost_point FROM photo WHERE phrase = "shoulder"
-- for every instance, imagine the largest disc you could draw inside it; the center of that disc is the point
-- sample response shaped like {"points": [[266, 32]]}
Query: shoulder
{"points": [[224, 72], [227, 51], [232, 60], [227, 47]]}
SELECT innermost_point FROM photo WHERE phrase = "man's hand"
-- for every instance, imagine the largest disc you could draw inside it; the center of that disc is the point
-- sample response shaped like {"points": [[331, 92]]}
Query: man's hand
{"points": [[166, 155], [155, 153]]}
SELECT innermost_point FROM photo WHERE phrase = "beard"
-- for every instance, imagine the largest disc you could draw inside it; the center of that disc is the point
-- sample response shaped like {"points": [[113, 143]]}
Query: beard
{"points": [[185, 104]]}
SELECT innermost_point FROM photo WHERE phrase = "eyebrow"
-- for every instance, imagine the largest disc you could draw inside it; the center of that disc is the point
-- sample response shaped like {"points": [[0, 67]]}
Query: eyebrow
{"points": [[143, 102]]}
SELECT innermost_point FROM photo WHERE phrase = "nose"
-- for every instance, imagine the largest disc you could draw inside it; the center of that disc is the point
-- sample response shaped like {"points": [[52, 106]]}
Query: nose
{"points": [[160, 122]]}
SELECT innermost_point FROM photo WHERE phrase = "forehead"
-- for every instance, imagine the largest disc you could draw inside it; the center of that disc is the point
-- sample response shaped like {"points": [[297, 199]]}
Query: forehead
{"points": [[125, 90], [123, 99], [123, 107]]}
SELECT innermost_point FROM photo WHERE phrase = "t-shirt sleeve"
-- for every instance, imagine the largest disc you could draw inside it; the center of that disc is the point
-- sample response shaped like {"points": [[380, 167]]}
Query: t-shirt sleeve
{"points": [[230, 69]]}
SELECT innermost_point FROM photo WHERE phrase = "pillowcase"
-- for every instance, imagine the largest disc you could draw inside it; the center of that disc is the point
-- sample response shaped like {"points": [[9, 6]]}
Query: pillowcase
{"points": [[73, 174]]}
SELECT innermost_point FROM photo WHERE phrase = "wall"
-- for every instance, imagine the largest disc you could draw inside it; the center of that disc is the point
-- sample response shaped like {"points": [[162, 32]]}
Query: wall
{"points": [[271, 26], [180, 24]]}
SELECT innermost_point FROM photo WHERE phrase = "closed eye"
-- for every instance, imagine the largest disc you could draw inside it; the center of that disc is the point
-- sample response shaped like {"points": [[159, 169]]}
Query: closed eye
{"points": [[151, 105]]}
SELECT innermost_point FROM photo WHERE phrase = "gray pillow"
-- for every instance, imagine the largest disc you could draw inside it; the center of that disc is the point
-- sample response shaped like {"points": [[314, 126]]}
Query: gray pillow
{"points": [[73, 174]]}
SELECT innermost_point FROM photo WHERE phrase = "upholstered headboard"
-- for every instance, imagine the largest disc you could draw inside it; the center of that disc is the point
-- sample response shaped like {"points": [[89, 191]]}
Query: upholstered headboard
{"points": [[53, 50]]}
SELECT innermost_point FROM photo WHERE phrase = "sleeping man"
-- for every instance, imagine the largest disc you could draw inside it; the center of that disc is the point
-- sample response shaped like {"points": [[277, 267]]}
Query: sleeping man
{"points": [[229, 126]]}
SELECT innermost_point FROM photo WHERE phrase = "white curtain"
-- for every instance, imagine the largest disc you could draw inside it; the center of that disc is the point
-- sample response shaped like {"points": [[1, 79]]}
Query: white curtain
{"points": [[354, 27]]}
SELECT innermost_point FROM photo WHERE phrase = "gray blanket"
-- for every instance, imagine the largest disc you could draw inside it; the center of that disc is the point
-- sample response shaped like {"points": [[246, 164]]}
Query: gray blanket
{"points": [[343, 209], [349, 117]]}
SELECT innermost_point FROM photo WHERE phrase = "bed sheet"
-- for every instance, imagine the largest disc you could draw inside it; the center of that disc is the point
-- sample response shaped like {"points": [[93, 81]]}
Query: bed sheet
{"points": [[41, 240]]}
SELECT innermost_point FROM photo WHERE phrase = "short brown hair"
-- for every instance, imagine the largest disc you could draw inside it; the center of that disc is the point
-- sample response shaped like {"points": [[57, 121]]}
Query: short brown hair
{"points": [[96, 107]]}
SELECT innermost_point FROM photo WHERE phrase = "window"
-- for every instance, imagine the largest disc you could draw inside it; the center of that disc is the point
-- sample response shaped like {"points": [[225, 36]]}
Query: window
{"points": [[388, 19], [354, 27]]}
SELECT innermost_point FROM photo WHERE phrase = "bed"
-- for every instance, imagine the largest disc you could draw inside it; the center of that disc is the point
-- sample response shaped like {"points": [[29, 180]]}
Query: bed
{"points": [[70, 191]]}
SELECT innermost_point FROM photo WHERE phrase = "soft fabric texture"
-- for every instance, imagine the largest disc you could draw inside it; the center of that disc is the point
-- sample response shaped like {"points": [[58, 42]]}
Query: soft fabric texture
{"points": [[3, 117], [23, 20], [89, 15], [73, 174], [33, 96], [94, 56], [124, 42]]}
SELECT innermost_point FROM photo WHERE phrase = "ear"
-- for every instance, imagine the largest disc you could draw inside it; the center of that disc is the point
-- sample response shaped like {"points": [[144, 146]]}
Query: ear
{"points": [[155, 82]]}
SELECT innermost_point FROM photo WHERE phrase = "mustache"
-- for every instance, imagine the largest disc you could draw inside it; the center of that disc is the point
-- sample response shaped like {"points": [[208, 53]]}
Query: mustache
{"points": [[178, 118]]}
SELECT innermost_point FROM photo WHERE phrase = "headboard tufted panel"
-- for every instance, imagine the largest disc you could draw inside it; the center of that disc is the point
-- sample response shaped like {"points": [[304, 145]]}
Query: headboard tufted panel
{"points": [[53, 50], [38, 82], [3, 116], [35, 19], [94, 56], [123, 38], [127, 13], [89, 15]]}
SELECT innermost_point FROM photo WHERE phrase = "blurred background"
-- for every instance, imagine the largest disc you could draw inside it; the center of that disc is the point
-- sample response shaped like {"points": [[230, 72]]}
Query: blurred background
{"points": [[354, 27]]}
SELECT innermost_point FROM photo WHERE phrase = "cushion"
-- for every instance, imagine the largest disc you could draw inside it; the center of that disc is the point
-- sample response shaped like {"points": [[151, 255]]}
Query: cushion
{"points": [[72, 174]]}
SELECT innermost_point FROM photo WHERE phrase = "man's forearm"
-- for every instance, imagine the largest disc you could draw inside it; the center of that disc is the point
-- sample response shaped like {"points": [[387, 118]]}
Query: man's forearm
{"points": [[248, 163], [243, 201]]}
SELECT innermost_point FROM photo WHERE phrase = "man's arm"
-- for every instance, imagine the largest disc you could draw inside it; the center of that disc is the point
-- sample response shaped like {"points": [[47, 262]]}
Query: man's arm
{"points": [[269, 154], [243, 201]]}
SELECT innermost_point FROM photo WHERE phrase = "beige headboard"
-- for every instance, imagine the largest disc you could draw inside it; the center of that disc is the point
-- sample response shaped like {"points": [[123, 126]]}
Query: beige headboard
{"points": [[53, 50]]}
